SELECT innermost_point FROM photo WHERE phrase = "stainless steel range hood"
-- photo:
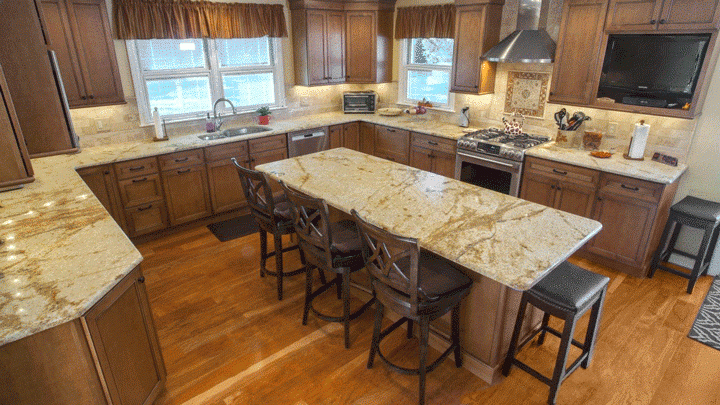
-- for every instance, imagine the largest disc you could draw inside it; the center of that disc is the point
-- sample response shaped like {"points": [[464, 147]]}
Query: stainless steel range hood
{"points": [[530, 43]]}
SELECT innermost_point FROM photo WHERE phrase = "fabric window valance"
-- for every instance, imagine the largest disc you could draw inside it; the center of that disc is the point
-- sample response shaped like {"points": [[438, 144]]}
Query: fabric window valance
{"points": [[425, 22], [180, 19]]}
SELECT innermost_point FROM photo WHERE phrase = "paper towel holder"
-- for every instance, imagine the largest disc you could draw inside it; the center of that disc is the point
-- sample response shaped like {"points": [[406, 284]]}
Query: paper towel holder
{"points": [[626, 155]]}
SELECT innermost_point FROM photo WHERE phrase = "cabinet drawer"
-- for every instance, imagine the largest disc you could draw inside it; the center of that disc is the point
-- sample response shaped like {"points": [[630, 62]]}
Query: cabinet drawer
{"points": [[225, 152], [138, 167], [146, 218], [269, 143], [392, 144], [629, 187], [181, 159], [561, 171], [140, 190], [433, 142]]}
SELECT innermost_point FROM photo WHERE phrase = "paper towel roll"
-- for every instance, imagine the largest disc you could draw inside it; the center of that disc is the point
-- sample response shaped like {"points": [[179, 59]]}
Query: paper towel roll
{"points": [[159, 130], [639, 140]]}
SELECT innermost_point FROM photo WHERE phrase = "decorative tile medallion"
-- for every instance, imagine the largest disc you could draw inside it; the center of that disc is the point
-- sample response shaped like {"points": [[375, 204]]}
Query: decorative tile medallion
{"points": [[526, 93]]}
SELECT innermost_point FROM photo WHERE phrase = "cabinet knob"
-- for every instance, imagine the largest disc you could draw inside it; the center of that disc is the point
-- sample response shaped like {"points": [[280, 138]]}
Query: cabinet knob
{"points": [[552, 187], [652, 22], [599, 198], [83, 98], [91, 97], [662, 21], [141, 279], [106, 172], [551, 93]]}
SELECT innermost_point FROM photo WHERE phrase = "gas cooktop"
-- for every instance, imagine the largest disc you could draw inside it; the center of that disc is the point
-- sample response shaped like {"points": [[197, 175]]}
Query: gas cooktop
{"points": [[493, 141]]}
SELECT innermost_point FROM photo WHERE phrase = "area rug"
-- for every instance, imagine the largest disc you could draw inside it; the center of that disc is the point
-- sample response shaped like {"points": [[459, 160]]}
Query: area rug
{"points": [[706, 328], [234, 228]]}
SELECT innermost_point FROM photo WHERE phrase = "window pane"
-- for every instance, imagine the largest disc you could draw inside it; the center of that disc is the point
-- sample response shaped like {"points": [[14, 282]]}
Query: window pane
{"points": [[244, 51], [179, 96], [161, 54], [430, 84], [431, 51], [250, 89]]}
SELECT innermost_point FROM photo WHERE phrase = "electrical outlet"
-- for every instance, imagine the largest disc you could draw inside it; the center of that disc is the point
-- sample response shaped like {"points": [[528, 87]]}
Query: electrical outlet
{"points": [[102, 124], [612, 130]]}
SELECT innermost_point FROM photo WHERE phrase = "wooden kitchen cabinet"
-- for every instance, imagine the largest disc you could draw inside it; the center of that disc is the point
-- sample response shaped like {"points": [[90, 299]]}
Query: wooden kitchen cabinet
{"points": [[141, 195], [345, 136], [102, 182], [659, 15], [223, 179], [15, 166], [266, 150], [140, 190], [476, 31], [319, 46], [187, 194], [367, 138], [335, 135], [369, 45], [79, 32], [433, 154], [146, 218], [392, 144], [123, 336], [577, 57]]}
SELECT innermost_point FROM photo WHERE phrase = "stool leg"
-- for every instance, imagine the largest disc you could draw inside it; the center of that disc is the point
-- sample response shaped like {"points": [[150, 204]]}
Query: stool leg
{"points": [[593, 328], [713, 244], [339, 281], [543, 328], [424, 332], [660, 252], [515, 336], [263, 252], [699, 260], [559, 373], [456, 335], [346, 305], [379, 309], [279, 265], [409, 329], [308, 293]]}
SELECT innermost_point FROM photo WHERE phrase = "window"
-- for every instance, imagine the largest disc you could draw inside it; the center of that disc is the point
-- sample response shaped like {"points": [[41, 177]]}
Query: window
{"points": [[425, 71], [182, 78]]}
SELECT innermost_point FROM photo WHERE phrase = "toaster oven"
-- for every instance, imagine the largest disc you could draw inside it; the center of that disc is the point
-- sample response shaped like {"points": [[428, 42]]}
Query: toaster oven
{"points": [[359, 102]]}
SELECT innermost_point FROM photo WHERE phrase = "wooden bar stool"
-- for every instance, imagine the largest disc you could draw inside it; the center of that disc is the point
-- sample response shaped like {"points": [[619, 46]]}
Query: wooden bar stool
{"points": [[696, 213], [272, 214], [567, 293], [327, 246], [420, 287]]}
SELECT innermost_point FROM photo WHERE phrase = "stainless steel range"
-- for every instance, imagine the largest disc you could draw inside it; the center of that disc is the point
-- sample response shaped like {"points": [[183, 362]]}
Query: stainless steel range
{"points": [[492, 159]]}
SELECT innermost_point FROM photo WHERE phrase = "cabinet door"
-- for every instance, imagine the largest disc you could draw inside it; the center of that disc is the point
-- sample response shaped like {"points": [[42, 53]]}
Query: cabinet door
{"points": [[124, 337], [538, 189], [225, 188], [140, 190], [392, 144], [187, 194], [60, 40], [626, 225], [335, 132], [102, 182], [146, 218], [689, 14], [96, 51], [367, 138], [351, 136], [361, 42], [633, 15], [577, 56], [575, 199], [421, 158], [444, 163], [316, 38], [335, 47], [15, 167], [469, 25]]}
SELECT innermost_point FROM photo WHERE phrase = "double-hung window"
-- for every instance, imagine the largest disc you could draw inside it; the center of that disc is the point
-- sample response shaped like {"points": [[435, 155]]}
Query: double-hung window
{"points": [[183, 78], [425, 68]]}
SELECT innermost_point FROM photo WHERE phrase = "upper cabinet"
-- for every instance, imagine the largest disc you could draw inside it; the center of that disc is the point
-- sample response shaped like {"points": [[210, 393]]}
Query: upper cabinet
{"points": [[574, 77], [339, 42], [15, 167], [79, 33], [477, 29], [662, 15]]}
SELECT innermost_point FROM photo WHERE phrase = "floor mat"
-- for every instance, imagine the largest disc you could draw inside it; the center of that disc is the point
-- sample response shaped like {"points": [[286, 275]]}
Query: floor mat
{"points": [[234, 228], [706, 328]]}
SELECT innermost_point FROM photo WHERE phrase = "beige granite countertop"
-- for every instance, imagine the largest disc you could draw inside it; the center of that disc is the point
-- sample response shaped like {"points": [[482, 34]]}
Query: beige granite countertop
{"points": [[506, 239], [644, 170]]}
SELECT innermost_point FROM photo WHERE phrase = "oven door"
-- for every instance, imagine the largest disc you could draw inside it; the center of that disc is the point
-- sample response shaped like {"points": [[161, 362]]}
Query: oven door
{"points": [[489, 172]]}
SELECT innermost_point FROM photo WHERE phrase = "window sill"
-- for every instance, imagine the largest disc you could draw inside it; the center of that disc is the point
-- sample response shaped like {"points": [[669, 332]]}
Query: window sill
{"points": [[442, 109], [202, 116]]}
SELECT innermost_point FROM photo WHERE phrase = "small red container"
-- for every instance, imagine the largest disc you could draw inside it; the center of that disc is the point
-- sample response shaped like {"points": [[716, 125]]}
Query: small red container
{"points": [[263, 119]]}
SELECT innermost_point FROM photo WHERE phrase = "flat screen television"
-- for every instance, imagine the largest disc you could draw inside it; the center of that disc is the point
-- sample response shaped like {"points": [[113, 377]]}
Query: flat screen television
{"points": [[653, 70]]}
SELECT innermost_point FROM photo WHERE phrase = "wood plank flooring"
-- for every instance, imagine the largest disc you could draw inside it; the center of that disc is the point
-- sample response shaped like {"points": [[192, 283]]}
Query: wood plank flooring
{"points": [[227, 340]]}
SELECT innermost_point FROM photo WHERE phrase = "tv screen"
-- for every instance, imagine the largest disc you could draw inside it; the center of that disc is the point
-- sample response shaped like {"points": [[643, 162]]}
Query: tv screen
{"points": [[663, 68]]}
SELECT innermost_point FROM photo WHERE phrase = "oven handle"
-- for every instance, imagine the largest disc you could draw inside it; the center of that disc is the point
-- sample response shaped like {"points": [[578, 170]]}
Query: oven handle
{"points": [[509, 165]]}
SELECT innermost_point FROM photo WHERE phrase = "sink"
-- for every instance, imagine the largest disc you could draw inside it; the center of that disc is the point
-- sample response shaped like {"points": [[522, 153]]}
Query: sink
{"points": [[232, 132]]}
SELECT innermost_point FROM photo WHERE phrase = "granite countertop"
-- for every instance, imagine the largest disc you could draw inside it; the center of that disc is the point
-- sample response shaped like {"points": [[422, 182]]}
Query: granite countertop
{"points": [[509, 240], [643, 170]]}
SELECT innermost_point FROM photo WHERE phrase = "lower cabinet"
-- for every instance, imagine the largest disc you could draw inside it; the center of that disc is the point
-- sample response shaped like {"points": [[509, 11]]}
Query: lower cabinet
{"points": [[141, 196], [102, 182], [187, 194], [392, 144], [345, 136], [433, 154], [223, 180], [564, 187], [367, 138], [146, 218]]}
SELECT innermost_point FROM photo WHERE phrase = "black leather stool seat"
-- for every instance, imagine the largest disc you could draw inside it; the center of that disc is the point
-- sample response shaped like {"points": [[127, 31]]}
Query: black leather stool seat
{"points": [[437, 279], [698, 208], [569, 286]]}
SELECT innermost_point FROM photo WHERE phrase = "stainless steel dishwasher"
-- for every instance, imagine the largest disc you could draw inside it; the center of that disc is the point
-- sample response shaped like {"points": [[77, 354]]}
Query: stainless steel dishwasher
{"points": [[307, 141]]}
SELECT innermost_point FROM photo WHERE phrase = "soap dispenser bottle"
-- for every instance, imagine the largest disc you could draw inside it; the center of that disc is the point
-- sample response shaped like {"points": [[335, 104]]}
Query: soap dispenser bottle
{"points": [[209, 124]]}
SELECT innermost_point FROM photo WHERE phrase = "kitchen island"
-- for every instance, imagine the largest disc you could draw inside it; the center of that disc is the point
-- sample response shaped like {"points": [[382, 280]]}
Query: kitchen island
{"points": [[506, 244]]}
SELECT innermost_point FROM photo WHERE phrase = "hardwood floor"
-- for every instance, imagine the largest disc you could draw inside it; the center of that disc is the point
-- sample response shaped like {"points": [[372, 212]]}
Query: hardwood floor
{"points": [[227, 340]]}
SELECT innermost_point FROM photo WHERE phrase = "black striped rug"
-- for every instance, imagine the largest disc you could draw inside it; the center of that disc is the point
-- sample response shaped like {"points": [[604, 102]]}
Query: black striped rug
{"points": [[706, 328]]}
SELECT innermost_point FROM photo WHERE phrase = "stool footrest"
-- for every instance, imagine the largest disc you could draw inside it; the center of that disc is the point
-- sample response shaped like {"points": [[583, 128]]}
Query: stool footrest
{"points": [[683, 253], [673, 271], [543, 378]]}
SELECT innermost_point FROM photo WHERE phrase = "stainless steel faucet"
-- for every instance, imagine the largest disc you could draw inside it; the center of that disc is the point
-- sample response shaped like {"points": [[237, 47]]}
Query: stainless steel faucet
{"points": [[218, 120]]}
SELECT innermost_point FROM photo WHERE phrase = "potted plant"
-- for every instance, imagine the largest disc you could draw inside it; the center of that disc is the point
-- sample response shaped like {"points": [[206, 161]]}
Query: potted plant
{"points": [[263, 115]]}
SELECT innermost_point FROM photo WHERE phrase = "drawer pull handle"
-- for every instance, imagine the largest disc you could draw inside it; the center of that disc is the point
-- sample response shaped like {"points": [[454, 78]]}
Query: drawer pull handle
{"points": [[652, 22], [559, 172], [185, 159], [145, 208], [184, 171], [139, 180], [390, 130], [433, 143], [552, 187], [630, 188], [134, 169], [141, 279]]}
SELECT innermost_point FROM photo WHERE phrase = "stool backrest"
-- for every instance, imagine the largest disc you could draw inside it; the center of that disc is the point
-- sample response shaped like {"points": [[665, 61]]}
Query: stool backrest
{"points": [[311, 219], [390, 259], [257, 192]]}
